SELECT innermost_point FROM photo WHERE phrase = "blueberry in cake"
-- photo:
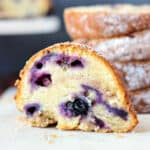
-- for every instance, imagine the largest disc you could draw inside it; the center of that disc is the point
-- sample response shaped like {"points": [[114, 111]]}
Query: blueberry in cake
{"points": [[71, 86]]}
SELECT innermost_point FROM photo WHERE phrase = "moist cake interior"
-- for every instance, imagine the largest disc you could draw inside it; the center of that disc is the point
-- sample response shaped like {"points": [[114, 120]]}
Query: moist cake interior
{"points": [[75, 91]]}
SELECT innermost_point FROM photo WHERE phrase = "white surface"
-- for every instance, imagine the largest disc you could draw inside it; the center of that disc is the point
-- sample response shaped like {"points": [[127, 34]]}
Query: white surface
{"points": [[30, 25], [16, 135]]}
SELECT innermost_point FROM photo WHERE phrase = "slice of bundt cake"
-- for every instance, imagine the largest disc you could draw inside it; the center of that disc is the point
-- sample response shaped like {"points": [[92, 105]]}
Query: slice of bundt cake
{"points": [[105, 21], [131, 47], [72, 86]]}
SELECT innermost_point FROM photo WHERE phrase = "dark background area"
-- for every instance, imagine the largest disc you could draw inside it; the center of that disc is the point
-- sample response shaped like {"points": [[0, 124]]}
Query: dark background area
{"points": [[15, 50]]}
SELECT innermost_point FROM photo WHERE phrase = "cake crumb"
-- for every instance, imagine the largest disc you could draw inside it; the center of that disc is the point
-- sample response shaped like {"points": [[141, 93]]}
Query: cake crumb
{"points": [[8, 101], [54, 136], [20, 118], [50, 142], [21, 121], [70, 135], [119, 135], [50, 138]]}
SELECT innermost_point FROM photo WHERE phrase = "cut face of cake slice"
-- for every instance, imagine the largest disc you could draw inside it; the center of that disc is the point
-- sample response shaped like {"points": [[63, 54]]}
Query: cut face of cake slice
{"points": [[72, 86]]}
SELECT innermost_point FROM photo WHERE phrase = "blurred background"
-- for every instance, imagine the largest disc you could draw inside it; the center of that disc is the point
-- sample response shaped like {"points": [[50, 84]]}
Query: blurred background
{"points": [[26, 26]]}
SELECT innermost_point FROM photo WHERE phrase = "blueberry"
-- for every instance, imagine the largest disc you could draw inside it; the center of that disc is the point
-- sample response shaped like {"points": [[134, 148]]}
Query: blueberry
{"points": [[80, 107], [99, 95], [114, 110], [31, 109], [59, 62], [43, 80], [99, 122], [76, 63], [72, 109], [69, 61], [69, 105], [39, 65], [66, 109], [119, 112], [62, 60]]}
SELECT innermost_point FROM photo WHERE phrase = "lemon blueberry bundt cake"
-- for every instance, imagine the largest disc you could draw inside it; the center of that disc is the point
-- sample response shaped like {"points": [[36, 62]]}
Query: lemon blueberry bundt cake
{"points": [[105, 21], [134, 46], [72, 86], [24, 8]]}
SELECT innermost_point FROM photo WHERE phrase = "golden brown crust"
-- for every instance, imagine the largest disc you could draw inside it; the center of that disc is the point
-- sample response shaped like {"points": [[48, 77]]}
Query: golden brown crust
{"points": [[72, 49], [104, 24], [137, 62]]}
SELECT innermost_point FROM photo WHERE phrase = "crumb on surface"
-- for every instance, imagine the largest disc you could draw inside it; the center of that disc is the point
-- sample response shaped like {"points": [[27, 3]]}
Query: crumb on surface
{"points": [[9, 101], [50, 138], [70, 135], [54, 136], [118, 135], [20, 121], [20, 118], [50, 142]]}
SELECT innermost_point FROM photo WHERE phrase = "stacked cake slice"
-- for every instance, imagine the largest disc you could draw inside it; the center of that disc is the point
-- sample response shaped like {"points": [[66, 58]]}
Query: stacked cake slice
{"points": [[120, 33]]}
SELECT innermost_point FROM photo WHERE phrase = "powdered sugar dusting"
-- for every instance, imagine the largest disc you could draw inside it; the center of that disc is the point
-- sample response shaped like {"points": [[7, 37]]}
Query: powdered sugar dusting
{"points": [[106, 22], [113, 24], [137, 75], [132, 47]]}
